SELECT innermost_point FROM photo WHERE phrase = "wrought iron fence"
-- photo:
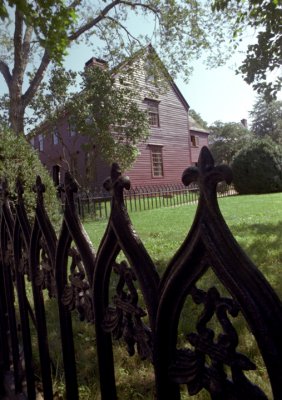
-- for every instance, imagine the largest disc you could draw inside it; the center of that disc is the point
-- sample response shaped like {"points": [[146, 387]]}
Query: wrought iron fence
{"points": [[96, 204], [66, 269]]}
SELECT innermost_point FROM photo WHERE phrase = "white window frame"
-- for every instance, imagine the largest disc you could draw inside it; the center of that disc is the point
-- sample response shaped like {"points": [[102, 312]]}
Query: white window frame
{"points": [[41, 142], [153, 112], [157, 161], [55, 136], [194, 141]]}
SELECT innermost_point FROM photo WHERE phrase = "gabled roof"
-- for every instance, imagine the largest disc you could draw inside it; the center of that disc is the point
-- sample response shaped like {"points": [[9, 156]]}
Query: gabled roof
{"points": [[195, 126], [151, 49]]}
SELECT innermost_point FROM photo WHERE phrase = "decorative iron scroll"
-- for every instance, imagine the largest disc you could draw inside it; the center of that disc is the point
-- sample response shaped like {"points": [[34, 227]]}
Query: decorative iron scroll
{"points": [[76, 295], [191, 367], [125, 319]]}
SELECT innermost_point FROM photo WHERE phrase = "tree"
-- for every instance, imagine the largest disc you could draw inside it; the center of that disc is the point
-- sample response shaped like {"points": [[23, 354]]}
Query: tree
{"points": [[226, 139], [267, 119], [265, 54], [19, 160], [257, 168], [38, 34], [106, 110]]}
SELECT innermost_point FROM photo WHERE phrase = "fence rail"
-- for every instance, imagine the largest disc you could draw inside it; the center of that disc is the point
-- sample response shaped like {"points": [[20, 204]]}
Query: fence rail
{"points": [[96, 204], [65, 268]]}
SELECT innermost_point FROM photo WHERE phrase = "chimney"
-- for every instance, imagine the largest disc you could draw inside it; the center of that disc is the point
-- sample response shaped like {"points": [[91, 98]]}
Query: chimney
{"points": [[244, 122], [96, 62]]}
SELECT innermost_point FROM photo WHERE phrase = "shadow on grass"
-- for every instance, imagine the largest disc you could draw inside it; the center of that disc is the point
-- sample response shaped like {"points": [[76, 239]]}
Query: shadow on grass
{"points": [[263, 244]]}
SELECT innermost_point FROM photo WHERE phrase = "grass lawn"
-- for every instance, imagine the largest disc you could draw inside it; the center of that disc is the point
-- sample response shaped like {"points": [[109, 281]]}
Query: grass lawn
{"points": [[256, 222]]}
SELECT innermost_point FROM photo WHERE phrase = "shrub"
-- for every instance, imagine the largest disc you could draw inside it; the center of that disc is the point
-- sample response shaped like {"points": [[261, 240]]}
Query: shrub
{"points": [[258, 168], [17, 158]]}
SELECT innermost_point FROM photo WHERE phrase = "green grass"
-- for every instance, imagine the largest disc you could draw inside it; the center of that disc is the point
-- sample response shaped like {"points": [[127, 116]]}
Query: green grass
{"points": [[255, 221]]}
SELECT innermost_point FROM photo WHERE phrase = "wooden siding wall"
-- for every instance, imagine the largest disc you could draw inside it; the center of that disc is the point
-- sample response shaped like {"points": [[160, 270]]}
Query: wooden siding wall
{"points": [[203, 141], [172, 135]]}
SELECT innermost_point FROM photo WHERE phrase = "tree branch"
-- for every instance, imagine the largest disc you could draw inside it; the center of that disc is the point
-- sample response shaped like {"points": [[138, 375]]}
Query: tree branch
{"points": [[36, 81], [4, 69], [18, 44], [26, 46], [94, 21], [141, 5], [124, 28], [104, 13]]}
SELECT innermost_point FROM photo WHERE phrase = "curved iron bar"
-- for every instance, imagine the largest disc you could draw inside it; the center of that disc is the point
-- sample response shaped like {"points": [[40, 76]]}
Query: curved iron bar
{"points": [[78, 293], [211, 244], [21, 241], [120, 236], [8, 271], [42, 268]]}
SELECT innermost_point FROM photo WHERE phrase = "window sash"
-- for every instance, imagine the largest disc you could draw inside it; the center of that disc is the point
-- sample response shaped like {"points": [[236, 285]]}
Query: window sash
{"points": [[55, 136], [41, 142], [72, 128], [157, 162], [153, 113], [195, 141]]}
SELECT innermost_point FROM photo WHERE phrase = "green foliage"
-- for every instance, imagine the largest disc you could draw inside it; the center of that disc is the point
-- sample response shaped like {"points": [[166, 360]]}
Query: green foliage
{"points": [[267, 119], [106, 110], [109, 115], [50, 19], [18, 159], [265, 54], [226, 139], [258, 168]]}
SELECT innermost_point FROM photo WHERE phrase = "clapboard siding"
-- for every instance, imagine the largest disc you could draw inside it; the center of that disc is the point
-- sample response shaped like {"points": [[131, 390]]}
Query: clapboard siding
{"points": [[195, 150], [172, 135]]}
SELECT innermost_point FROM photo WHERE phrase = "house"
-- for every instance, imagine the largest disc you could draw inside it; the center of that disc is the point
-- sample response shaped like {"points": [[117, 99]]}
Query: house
{"points": [[174, 143]]}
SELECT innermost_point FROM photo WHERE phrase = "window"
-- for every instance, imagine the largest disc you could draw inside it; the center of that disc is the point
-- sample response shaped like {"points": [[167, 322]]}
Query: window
{"points": [[153, 112], [157, 161], [41, 142], [195, 141], [55, 136], [72, 127]]}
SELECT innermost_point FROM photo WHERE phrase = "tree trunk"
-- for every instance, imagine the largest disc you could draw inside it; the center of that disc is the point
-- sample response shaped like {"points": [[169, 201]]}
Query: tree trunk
{"points": [[16, 116]]}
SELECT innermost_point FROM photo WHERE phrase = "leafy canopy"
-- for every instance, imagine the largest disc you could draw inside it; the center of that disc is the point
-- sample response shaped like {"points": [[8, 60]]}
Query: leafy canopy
{"points": [[51, 20], [267, 119], [226, 139], [265, 55]]}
